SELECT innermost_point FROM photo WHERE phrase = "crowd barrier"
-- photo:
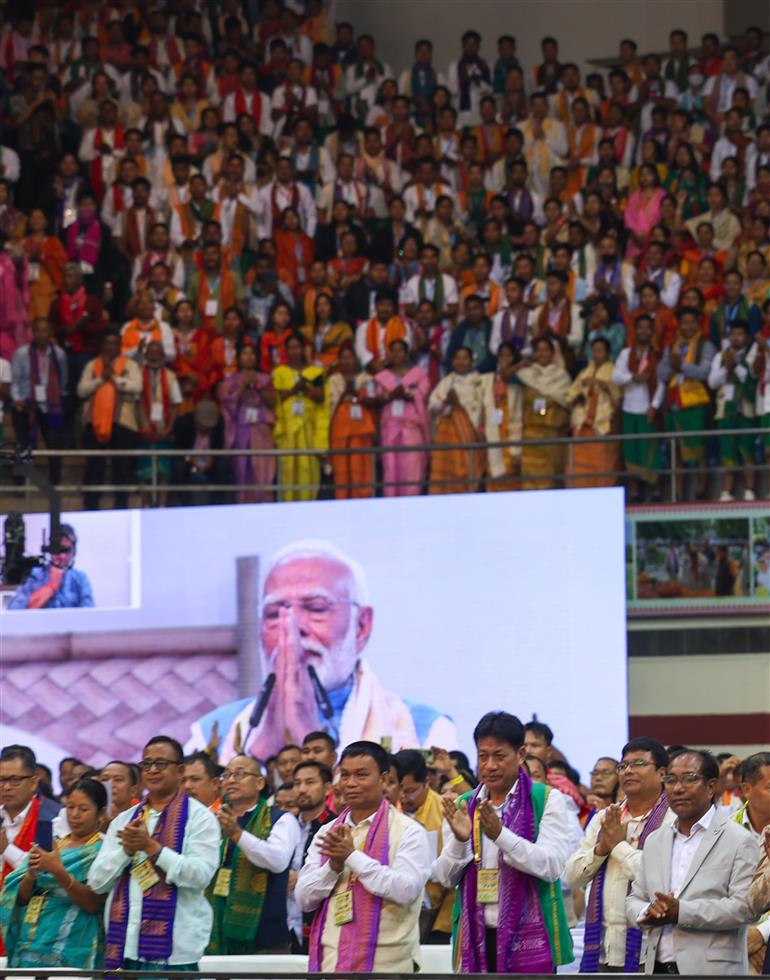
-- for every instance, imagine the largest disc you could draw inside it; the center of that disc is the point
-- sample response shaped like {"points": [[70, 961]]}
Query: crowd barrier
{"points": [[670, 474]]}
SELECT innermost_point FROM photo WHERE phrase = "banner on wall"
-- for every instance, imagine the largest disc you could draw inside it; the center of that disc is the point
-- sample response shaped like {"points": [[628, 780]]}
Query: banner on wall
{"points": [[709, 559], [401, 619]]}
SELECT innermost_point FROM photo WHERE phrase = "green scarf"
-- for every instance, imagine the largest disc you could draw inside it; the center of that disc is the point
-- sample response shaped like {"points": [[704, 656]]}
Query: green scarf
{"points": [[438, 292], [237, 917]]}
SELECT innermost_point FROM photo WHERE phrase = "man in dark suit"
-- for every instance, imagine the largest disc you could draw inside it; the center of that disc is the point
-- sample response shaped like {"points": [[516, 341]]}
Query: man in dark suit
{"points": [[27, 815], [360, 298]]}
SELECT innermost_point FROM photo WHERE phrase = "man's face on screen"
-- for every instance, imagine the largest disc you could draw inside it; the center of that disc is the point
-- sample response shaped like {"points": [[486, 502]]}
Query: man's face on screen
{"points": [[332, 628]]}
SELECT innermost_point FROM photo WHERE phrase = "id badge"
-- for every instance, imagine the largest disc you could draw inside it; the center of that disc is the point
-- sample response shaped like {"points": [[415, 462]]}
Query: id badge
{"points": [[34, 908], [487, 890], [212, 307], [343, 908], [356, 412], [301, 274], [497, 416], [41, 395], [252, 415], [297, 407], [540, 406], [222, 882], [156, 412], [398, 408], [145, 875], [33, 271], [728, 391]]}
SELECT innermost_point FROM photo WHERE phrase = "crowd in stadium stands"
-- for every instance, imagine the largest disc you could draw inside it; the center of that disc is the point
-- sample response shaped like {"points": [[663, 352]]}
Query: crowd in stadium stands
{"points": [[660, 863], [229, 225]]}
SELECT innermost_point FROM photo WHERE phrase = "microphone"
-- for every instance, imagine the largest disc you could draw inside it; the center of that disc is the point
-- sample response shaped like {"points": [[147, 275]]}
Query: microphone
{"points": [[264, 698], [259, 708], [320, 693]]}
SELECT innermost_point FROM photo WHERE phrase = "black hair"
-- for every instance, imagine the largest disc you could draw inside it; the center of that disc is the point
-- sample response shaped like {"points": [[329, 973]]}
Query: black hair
{"points": [[285, 786], [502, 726], [411, 762], [601, 339], [709, 767], [687, 311], [133, 769], [320, 736], [643, 744], [23, 753], [289, 745], [168, 740], [743, 324], [327, 776], [751, 768], [212, 769], [93, 789], [370, 749], [540, 729]]}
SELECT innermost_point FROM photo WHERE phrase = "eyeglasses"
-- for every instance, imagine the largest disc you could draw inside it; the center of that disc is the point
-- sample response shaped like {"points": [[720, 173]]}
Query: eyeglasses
{"points": [[159, 764], [686, 779], [603, 772], [13, 780], [315, 608], [239, 775], [634, 766]]}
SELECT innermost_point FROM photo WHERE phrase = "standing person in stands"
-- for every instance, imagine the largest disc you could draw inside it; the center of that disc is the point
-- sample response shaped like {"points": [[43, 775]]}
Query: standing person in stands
{"points": [[403, 389], [248, 402], [302, 421], [594, 400], [610, 855], [154, 865], [248, 893], [457, 409], [505, 848], [48, 914], [353, 426], [689, 895], [365, 875], [544, 417]]}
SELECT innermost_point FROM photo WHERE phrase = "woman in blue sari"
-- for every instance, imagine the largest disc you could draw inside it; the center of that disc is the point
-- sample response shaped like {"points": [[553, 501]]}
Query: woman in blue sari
{"points": [[48, 915]]}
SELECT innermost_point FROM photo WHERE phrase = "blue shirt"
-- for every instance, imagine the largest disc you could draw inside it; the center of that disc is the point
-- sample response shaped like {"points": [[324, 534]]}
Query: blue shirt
{"points": [[73, 593]]}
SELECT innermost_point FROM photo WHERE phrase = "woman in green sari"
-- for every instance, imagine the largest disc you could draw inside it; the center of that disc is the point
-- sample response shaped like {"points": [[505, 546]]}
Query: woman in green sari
{"points": [[48, 915]]}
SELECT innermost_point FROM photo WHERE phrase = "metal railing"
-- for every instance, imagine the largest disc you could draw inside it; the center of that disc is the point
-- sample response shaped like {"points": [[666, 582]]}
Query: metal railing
{"points": [[562, 474]]}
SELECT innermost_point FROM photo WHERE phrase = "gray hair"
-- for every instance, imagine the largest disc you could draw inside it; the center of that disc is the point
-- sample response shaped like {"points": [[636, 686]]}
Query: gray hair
{"points": [[316, 548]]}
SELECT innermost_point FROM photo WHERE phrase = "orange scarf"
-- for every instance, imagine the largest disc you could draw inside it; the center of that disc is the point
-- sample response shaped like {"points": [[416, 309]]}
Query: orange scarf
{"points": [[565, 320], [133, 335], [105, 408], [395, 330], [24, 841]]}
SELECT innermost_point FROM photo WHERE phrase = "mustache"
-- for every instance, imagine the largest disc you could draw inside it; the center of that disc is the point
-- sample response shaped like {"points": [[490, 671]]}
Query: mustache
{"points": [[307, 645]]}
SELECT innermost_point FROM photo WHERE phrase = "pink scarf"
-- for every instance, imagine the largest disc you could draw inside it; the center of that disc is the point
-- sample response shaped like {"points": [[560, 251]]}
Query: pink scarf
{"points": [[358, 939]]}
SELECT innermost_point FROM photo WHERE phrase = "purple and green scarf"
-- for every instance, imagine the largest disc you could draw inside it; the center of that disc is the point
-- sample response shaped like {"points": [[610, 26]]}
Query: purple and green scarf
{"points": [[523, 945], [156, 931], [592, 946], [358, 939]]}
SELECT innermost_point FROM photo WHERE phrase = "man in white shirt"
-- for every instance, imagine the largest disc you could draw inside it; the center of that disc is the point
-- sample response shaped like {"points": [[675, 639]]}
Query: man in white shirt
{"points": [[609, 856], [167, 832], [283, 192], [248, 99], [421, 196], [719, 90], [505, 845], [431, 284], [757, 155], [257, 848], [689, 895], [635, 371], [364, 876]]}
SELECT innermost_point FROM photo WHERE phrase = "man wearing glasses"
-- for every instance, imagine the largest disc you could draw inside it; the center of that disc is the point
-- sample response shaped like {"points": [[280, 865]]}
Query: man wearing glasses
{"points": [[155, 864], [26, 816], [249, 891], [316, 622], [689, 896], [610, 854]]}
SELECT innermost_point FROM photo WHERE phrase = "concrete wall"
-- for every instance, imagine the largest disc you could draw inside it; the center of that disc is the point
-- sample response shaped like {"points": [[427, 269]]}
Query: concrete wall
{"points": [[585, 28]]}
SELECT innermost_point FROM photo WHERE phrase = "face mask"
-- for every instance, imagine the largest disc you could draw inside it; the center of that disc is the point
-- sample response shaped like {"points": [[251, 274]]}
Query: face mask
{"points": [[696, 80]]}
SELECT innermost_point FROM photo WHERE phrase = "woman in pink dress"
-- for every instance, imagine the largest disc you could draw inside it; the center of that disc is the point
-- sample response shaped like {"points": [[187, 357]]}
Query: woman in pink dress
{"points": [[643, 210], [247, 399], [14, 299], [403, 390]]}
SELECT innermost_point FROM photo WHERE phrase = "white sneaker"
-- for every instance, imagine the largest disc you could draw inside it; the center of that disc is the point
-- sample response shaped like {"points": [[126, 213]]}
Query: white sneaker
{"points": [[726, 497], [749, 494]]}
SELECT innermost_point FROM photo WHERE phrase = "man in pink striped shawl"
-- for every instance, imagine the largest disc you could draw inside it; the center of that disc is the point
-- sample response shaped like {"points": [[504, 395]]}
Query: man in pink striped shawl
{"points": [[364, 876]]}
